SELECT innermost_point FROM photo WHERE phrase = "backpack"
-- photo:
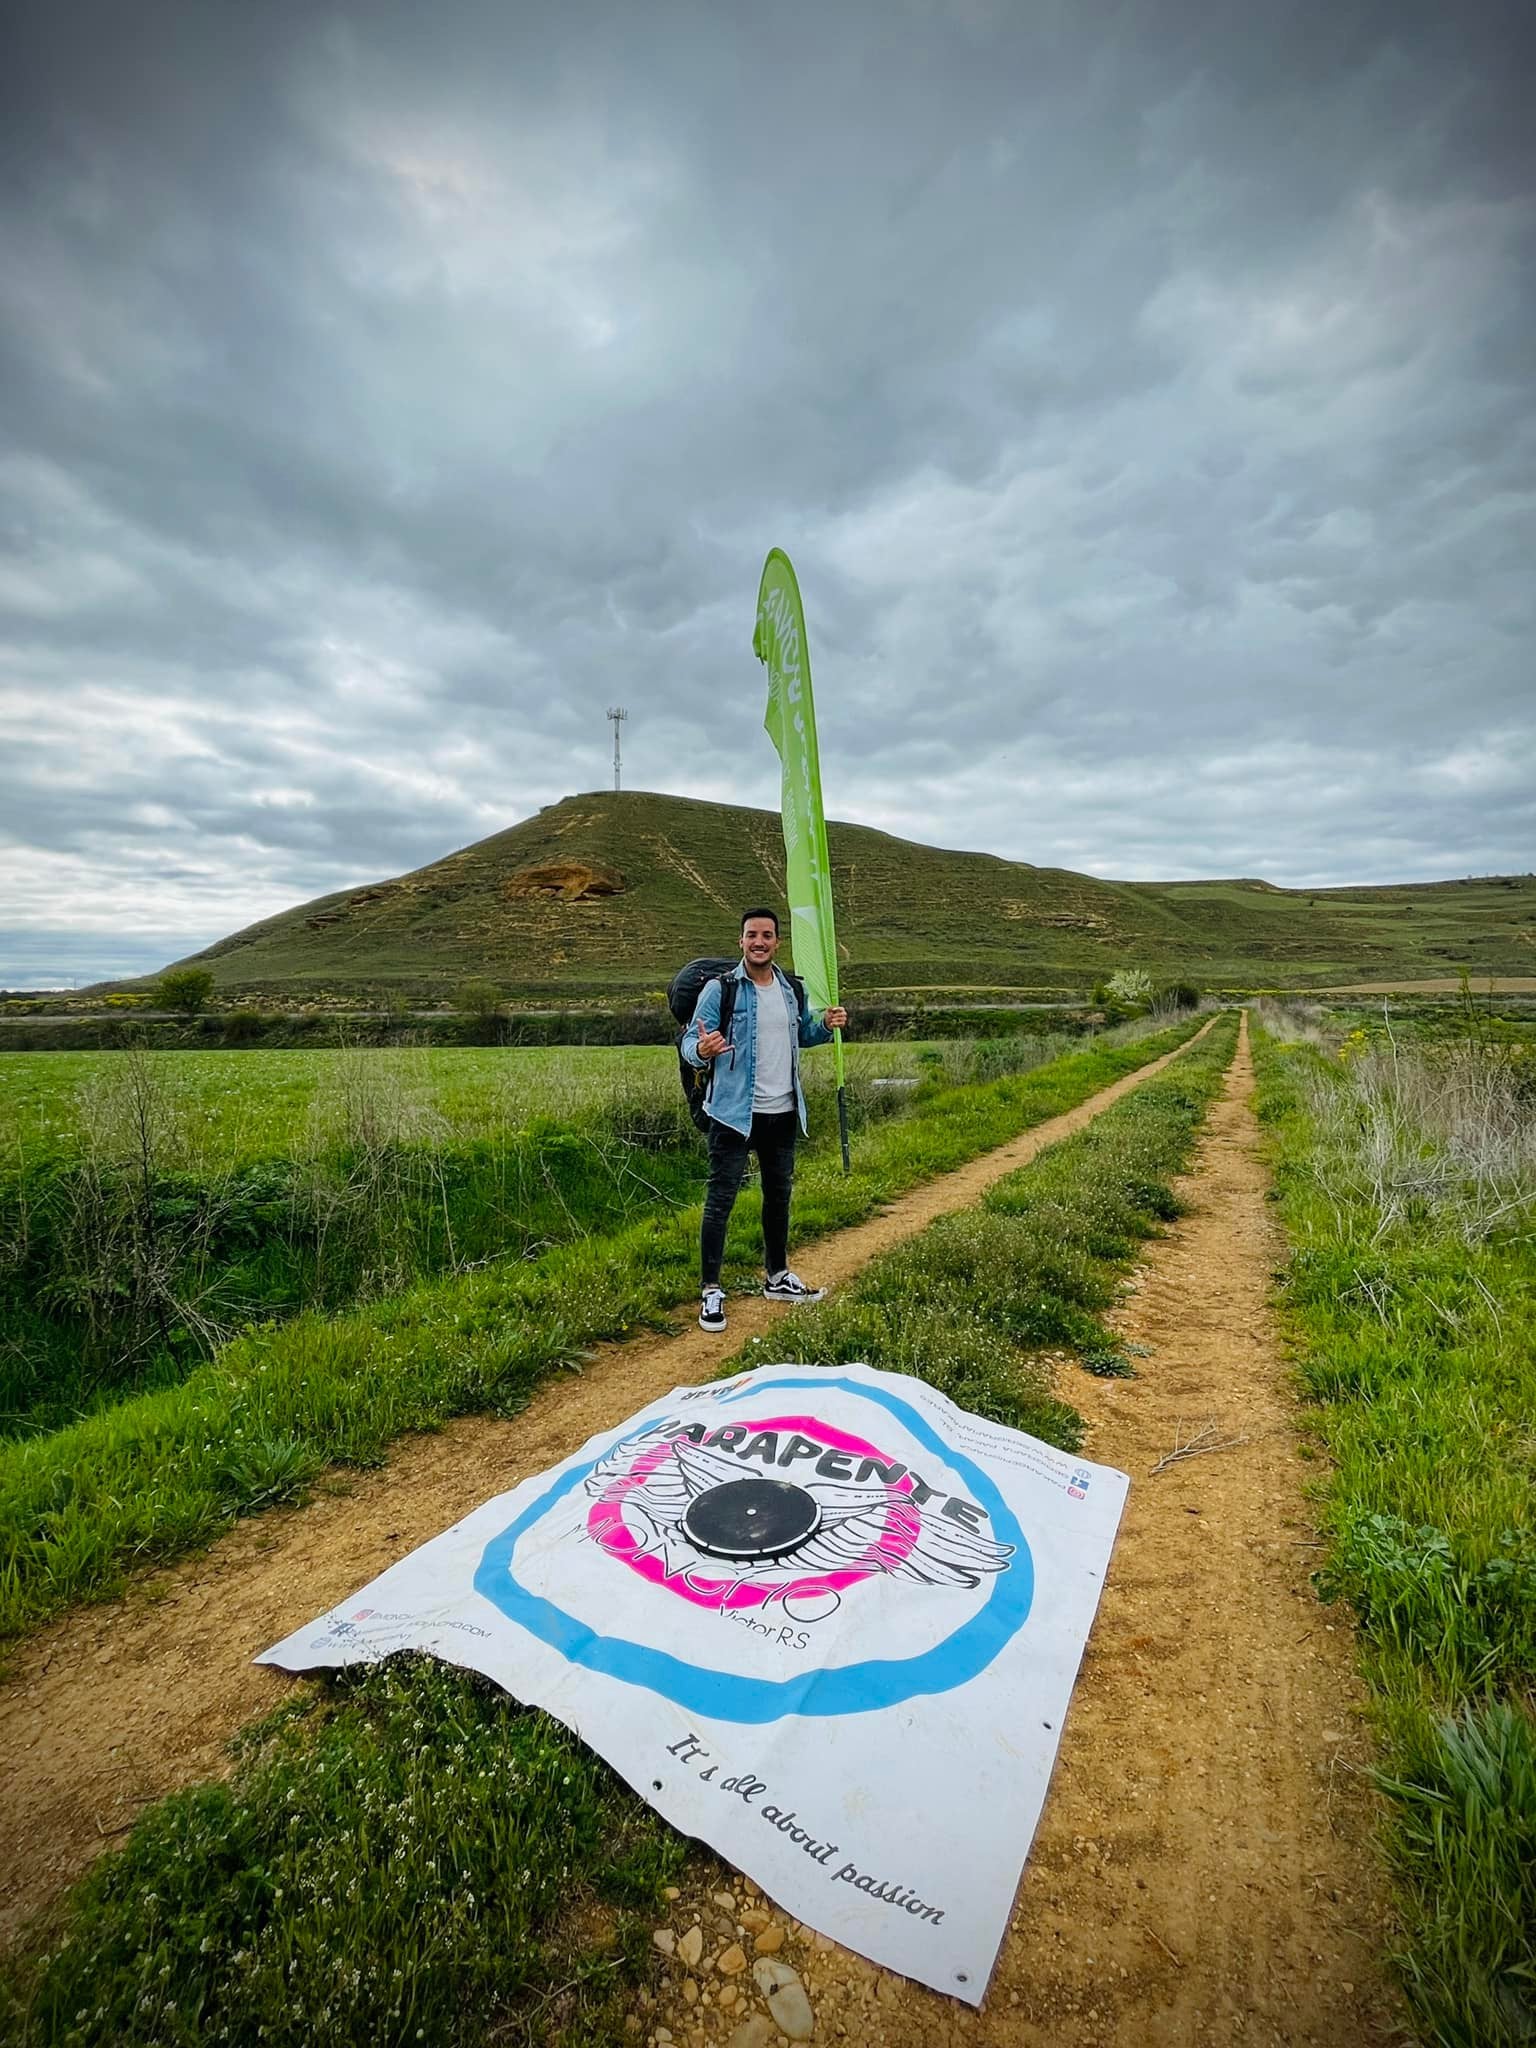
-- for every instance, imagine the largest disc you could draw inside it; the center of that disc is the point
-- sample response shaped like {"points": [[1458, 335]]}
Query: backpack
{"points": [[683, 993]]}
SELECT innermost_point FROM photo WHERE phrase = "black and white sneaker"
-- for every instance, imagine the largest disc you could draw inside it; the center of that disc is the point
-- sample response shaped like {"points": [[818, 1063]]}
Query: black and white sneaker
{"points": [[787, 1286], [712, 1309]]}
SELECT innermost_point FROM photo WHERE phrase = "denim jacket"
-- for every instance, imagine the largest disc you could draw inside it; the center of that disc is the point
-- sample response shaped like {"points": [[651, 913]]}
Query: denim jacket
{"points": [[730, 1095]]}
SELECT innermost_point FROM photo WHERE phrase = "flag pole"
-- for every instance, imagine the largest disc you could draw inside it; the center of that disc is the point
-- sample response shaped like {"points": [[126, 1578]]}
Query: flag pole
{"points": [[842, 1097]]}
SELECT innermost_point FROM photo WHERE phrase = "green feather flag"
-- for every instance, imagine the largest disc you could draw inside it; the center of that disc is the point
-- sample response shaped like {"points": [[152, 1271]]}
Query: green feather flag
{"points": [[779, 641]]}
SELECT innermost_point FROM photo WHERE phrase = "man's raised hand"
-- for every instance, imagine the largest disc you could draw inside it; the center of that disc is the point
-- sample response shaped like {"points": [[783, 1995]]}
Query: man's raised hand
{"points": [[712, 1044], [836, 1020]]}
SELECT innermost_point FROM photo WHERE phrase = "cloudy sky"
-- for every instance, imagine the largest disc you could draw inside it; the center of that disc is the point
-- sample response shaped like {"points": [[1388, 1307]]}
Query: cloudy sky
{"points": [[1143, 392]]}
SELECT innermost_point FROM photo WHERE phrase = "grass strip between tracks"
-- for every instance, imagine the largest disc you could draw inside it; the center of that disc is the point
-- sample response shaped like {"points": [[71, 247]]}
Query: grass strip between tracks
{"points": [[1416, 1343], [404, 1853], [164, 1472], [972, 1302]]}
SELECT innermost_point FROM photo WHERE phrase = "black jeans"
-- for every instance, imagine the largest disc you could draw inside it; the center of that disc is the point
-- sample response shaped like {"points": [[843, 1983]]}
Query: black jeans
{"points": [[773, 1140]]}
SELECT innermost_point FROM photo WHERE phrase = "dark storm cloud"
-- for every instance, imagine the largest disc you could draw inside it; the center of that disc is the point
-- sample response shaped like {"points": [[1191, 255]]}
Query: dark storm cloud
{"points": [[1144, 397]]}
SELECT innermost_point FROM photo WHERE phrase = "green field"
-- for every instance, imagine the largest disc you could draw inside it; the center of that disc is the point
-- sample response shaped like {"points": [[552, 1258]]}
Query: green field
{"points": [[152, 1206], [249, 1105], [239, 1106], [604, 895]]}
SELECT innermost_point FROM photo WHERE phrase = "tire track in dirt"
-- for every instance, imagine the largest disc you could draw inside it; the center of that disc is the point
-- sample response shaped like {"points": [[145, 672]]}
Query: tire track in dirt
{"points": [[115, 1705], [1203, 1873]]}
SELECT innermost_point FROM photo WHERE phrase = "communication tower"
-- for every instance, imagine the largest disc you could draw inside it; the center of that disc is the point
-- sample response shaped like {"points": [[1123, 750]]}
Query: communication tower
{"points": [[618, 714]]}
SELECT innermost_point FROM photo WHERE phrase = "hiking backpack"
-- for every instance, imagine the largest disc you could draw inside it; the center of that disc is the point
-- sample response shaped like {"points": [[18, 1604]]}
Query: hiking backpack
{"points": [[683, 993], [687, 985]]}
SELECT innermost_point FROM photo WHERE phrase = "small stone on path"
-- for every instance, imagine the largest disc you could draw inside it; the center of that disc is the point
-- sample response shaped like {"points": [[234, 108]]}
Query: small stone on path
{"points": [[770, 1941], [731, 1961], [755, 2032], [785, 1994], [691, 1947], [664, 1939]]}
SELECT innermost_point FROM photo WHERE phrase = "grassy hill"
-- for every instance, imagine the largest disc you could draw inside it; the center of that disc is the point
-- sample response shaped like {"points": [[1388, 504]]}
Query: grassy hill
{"points": [[608, 893]]}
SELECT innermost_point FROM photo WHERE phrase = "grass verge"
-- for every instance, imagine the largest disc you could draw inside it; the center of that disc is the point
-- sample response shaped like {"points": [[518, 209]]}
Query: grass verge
{"points": [[156, 1475], [406, 1854], [1412, 1302]]}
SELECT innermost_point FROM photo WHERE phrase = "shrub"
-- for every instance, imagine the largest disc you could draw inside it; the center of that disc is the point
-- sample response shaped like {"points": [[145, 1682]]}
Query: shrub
{"points": [[1178, 995], [1130, 988], [480, 998], [185, 990]]}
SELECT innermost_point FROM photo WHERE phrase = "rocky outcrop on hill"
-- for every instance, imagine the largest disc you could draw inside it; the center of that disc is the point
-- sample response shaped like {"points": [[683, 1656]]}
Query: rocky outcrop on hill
{"points": [[572, 881]]}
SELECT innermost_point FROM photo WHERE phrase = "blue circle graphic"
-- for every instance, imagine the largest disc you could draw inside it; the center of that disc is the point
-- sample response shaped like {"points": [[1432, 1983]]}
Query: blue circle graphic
{"points": [[725, 1696]]}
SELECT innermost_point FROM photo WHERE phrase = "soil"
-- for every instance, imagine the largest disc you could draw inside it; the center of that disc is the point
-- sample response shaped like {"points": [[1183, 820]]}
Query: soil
{"points": [[1202, 1875], [116, 1705]]}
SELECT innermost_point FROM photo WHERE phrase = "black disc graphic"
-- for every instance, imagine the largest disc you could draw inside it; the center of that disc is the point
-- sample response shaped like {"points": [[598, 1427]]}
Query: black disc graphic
{"points": [[750, 1518]]}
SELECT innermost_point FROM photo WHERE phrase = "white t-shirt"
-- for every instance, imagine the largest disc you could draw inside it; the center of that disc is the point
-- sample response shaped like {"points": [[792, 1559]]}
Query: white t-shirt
{"points": [[773, 1078]]}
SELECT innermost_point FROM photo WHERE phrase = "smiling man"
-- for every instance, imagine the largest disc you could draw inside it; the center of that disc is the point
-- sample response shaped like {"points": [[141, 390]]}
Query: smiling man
{"points": [[755, 1103]]}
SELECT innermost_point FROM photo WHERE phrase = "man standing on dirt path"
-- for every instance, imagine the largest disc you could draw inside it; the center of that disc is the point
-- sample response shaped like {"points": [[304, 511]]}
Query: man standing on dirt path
{"points": [[755, 1104]]}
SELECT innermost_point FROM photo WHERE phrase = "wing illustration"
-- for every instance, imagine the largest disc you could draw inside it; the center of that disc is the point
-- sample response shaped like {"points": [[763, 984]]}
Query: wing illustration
{"points": [[654, 1505], [862, 1527], [674, 1481]]}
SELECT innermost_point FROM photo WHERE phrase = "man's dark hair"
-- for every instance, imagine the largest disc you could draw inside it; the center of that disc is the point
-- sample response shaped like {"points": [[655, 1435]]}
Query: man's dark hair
{"points": [[748, 915]]}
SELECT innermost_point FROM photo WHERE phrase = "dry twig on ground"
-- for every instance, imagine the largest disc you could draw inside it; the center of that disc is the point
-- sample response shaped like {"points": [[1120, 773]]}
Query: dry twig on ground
{"points": [[1195, 1446]]}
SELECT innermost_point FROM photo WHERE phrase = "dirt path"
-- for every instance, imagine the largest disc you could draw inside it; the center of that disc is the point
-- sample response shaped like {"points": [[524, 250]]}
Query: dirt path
{"points": [[116, 1705], [1202, 1875]]}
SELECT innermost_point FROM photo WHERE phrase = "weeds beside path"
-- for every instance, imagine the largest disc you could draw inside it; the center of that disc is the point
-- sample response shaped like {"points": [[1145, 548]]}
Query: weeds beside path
{"points": [[116, 1705], [1407, 1182]]}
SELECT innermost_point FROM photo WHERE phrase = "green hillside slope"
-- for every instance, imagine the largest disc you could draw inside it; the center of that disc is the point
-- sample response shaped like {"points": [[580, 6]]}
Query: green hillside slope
{"points": [[609, 892]]}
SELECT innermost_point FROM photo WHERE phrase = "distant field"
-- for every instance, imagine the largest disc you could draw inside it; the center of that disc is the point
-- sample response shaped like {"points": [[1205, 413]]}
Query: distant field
{"points": [[252, 1105], [1499, 985]]}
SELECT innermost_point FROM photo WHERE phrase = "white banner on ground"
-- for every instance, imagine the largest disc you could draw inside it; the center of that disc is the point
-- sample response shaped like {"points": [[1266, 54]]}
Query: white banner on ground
{"points": [[864, 1724]]}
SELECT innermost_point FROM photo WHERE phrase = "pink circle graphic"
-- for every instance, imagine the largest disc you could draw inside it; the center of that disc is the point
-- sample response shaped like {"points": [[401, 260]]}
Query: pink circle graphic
{"points": [[903, 1523]]}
